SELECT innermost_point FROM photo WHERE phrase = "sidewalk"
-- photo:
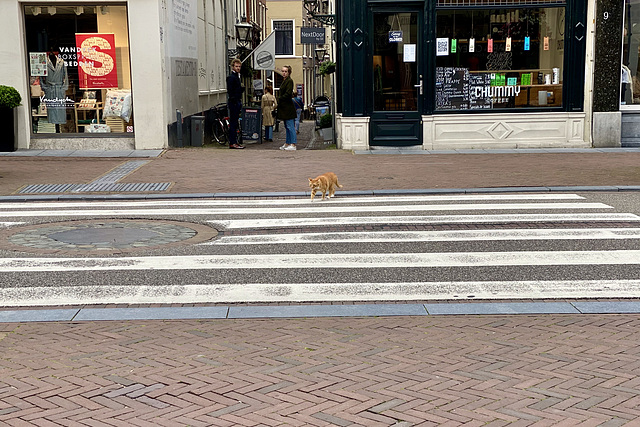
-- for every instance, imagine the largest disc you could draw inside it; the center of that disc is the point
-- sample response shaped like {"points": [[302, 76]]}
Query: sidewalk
{"points": [[262, 168]]}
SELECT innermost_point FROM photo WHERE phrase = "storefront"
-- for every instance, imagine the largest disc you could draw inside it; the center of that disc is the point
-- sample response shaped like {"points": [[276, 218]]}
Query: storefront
{"points": [[111, 74], [79, 73], [630, 76], [445, 74]]}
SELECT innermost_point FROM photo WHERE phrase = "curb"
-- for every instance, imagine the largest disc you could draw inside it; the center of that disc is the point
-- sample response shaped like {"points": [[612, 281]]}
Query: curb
{"points": [[222, 312], [426, 191]]}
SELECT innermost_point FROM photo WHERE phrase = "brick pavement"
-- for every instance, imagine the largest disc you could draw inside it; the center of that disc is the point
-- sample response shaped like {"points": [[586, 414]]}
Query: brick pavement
{"points": [[445, 370], [264, 168]]}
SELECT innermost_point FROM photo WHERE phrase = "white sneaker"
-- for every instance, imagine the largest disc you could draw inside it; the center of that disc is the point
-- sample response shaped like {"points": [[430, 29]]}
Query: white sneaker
{"points": [[284, 147], [291, 147]]}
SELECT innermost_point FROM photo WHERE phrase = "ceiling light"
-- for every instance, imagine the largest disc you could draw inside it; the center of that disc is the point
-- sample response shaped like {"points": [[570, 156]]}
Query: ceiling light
{"points": [[51, 10]]}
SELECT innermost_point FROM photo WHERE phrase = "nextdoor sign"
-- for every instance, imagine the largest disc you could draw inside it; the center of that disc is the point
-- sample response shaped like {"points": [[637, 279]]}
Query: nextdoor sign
{"points": [[312, 35]]}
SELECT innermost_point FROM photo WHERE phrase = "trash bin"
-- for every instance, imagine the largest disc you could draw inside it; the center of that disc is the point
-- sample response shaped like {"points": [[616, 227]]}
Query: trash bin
{"points": [[322, 106], [197, 131]]}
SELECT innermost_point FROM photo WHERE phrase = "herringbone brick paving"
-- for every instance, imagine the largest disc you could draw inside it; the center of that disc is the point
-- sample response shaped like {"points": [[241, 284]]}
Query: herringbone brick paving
{"points": [[450, 370]]}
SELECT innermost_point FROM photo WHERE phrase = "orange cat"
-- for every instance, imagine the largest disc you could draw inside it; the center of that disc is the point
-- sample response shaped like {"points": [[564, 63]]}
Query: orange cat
{"points": [[324, 184]]}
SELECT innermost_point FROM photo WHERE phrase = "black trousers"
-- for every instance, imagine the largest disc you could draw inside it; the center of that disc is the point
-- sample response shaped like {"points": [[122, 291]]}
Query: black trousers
{"points": [[234, 117]]}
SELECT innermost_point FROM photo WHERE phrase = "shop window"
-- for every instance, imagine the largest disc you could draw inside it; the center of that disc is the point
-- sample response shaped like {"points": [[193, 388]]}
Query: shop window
{"points": [[284, 37], [508, 58], [630, 91], [394, 61], [80, 79]]}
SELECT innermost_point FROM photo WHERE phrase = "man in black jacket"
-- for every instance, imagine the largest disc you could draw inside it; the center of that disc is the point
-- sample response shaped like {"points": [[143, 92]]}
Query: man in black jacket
{"points": [[234, 91]]}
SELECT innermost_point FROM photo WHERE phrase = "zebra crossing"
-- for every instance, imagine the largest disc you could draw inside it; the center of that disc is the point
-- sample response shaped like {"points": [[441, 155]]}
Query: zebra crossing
{"points": [[482, 246]]}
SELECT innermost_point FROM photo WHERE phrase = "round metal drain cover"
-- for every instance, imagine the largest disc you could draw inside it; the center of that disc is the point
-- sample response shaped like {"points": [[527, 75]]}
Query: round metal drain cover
{"points": [[105, 236]]}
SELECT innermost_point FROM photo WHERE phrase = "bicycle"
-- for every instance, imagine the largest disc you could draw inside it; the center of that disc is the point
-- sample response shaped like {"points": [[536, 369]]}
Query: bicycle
{"points": [[220, 127]]}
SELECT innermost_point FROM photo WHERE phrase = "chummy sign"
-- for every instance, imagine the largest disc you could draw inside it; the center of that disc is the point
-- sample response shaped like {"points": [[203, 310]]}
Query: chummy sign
{"points": [[96, 61]]}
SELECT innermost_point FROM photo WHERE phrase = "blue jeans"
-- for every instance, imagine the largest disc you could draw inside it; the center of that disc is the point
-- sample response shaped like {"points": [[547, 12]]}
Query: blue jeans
{"points": [[299, 113], [290, 128], [268, 132]]}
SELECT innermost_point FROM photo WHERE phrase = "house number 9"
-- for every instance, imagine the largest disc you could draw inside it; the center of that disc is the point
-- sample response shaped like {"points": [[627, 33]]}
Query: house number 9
{"points": [[606, 15]]}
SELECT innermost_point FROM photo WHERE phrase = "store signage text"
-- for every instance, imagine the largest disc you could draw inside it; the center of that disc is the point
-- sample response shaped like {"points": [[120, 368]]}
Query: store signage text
{"points": [[312, 35], [496, 91], [96, 55], [395, 36]]}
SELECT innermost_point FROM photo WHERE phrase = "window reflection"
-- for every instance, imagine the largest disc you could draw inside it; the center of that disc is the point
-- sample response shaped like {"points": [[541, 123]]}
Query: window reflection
{"points": [[630, 91], [394, 61], [499, 58]]}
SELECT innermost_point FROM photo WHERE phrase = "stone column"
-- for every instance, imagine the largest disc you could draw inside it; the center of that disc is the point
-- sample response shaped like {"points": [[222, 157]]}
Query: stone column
{"points": [[607, 121]]}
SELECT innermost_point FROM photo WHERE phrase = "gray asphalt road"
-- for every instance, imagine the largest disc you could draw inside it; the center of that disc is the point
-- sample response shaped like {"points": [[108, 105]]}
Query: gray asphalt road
{"points": [[511, 246]]}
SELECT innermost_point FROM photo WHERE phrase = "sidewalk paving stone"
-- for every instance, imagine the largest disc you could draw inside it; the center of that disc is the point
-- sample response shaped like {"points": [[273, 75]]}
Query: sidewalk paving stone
{"points": [[501, 308], [601, 307], [357, 310], [93, 314], [44, 315]]}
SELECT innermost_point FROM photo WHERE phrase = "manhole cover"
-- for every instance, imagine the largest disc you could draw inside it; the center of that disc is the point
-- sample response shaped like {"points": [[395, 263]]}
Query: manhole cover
{"points": [[106, 236]]}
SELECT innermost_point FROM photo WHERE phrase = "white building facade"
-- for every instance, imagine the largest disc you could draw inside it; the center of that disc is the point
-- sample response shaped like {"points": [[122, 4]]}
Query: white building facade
{"points": [[114, 75]]}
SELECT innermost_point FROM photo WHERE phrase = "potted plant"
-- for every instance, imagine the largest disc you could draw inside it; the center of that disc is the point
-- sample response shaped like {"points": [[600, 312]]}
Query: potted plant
{"points": [[327, 67], [9, 99], [326, 126]]}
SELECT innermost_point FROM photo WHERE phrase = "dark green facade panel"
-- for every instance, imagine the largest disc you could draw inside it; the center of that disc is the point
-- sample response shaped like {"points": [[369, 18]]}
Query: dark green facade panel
{"points": [[354, 35]]}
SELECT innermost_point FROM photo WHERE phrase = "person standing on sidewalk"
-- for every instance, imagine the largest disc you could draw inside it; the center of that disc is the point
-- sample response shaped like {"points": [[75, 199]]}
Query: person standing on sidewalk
{"points": [[234, 91], [269, 106], [286, 109], [297, 102]]}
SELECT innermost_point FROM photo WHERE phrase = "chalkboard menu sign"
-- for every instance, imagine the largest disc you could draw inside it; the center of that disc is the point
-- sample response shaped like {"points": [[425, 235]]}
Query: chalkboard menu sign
{"points": [[252, 124], [479, 94], [457, 89], [452, 88]]}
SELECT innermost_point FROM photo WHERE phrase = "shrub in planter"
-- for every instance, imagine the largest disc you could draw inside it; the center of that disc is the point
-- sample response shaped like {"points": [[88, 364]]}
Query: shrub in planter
{"points": [[9, 97], [326, 121], [327, 67]]}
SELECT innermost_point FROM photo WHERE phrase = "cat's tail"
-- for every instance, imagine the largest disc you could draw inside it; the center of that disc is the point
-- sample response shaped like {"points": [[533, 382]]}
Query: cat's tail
{"points": [[338, 184]]}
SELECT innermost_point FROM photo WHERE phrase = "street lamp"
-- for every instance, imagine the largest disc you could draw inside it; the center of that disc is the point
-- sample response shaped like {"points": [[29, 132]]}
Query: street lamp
{"points": [[243, 33], [310, 6], [315, 9], [320, 53]]}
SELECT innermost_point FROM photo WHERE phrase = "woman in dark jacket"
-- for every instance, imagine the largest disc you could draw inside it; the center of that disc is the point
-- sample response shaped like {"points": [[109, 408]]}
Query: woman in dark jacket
{"points": [[286, 109]]}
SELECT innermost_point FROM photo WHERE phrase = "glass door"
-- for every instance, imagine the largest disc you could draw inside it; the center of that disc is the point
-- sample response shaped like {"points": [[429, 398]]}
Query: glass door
{"points": [[397, 77]]}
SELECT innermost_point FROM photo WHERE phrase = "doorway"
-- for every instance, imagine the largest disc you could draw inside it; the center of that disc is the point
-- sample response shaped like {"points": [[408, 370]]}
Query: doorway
{"points": [[397, 76]]}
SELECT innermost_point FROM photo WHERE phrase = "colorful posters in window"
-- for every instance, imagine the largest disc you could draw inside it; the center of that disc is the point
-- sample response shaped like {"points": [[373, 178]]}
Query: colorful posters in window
{"points": [[96, 61], [38, 63]]}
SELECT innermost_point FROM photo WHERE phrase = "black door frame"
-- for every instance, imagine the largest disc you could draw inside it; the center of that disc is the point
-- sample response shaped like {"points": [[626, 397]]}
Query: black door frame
{"points": [[397, 128]]}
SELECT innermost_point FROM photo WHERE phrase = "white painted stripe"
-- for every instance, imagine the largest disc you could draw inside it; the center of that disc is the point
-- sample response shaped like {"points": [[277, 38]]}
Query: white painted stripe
{"points": [[432, 236], [319, 208], [297, 201], [306, 261], [439, 219], [298, 292]]}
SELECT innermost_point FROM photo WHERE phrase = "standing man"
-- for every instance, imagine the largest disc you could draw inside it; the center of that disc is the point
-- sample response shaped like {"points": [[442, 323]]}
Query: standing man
{"points": [[286, 109], [234, 91]]}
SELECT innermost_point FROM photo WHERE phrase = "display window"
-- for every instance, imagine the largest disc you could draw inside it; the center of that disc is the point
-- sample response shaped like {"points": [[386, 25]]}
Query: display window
{"points": [[79, 73], [630, 90], [508, 58]]}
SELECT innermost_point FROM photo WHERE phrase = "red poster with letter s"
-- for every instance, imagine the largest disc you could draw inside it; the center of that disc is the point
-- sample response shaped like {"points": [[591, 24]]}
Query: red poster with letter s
{"points": [[96, 61]]}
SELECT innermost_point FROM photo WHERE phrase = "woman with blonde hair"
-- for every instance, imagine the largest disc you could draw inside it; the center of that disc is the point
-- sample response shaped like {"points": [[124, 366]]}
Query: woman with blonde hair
{"points": [[269, 105]]}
